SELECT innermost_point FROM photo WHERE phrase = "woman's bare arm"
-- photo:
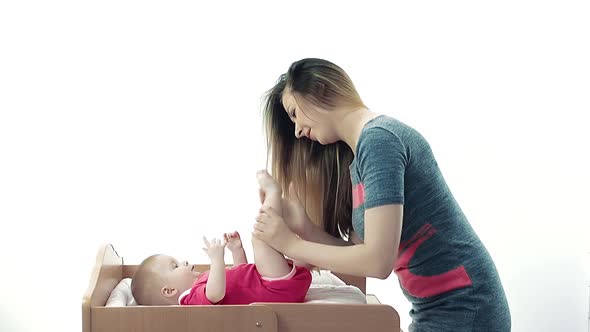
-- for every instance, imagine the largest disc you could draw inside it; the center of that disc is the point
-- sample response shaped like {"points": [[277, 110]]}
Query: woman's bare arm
{"points": [[315, 234], [373, 258]]}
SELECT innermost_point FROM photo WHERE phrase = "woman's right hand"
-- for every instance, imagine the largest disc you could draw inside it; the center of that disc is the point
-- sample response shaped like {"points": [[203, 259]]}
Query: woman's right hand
{"points": [[294, 213]]}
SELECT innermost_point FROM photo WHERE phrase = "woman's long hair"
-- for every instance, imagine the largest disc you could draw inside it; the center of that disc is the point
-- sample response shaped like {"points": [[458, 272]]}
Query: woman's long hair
{"points": [[319, 173]]}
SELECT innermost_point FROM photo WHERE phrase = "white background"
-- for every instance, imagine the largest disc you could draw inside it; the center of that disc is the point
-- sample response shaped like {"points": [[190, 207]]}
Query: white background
{"points": [[138, 124]]}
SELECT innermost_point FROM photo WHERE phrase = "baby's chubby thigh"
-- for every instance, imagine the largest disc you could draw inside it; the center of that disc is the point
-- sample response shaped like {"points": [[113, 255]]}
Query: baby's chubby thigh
{"points": [[269, 262]]}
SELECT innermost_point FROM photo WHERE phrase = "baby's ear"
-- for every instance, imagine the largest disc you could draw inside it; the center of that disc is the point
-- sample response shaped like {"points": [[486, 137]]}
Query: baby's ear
{"points": [[168, 292]]}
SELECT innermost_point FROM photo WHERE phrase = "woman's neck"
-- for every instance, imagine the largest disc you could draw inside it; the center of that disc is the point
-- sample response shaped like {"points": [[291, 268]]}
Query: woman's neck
{"points": [[351, 125]]}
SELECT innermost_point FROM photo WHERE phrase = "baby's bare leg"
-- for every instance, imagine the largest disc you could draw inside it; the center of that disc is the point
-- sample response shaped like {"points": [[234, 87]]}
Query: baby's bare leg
{"points": [[271, 192], [269, 262]]}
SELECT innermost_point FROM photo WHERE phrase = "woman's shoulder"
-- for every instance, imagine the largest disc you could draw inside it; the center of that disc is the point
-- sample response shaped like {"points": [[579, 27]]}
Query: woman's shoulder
{"points": [[384, 126], [385, 132], [388, 123], [380, 128]]}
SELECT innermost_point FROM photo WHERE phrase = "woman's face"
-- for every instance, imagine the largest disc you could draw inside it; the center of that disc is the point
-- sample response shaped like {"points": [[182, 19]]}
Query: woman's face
{"points": [[316, 128]]}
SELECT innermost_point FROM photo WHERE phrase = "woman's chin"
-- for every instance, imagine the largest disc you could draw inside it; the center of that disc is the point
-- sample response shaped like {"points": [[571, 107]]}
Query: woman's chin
{"points": [[323, 142]]}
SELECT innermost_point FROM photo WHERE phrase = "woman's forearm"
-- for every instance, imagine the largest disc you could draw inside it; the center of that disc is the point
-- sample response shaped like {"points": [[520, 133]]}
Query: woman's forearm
{"points": [[315, 234], [356, 260], [215, 290]]}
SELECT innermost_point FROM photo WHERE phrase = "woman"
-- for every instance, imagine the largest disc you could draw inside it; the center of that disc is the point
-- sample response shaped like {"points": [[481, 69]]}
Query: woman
{"points": [[373, 180]]}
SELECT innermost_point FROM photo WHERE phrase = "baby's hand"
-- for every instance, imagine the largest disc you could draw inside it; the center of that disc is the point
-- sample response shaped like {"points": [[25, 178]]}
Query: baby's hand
{"points": [[234, 242], [215, 249]]}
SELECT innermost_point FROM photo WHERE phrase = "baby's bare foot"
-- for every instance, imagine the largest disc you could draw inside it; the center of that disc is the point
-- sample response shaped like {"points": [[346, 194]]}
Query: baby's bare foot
{"points": [[267, 183]]}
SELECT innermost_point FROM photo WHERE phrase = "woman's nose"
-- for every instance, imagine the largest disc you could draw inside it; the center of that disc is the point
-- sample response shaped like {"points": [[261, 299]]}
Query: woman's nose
{"points": [[298, 131]]}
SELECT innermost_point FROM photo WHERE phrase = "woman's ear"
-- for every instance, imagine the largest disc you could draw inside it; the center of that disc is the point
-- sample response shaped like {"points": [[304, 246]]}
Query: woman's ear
{"points": [[168, 292]]}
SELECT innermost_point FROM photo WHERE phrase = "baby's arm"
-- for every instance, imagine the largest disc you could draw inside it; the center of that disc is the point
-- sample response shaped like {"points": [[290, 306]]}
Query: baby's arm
{"points": [[234, 244], [215, 289]]}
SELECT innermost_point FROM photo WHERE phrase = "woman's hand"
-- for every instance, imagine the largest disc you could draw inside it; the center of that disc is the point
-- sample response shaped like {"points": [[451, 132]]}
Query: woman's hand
{"points": [[294, 214], [272, 229]]}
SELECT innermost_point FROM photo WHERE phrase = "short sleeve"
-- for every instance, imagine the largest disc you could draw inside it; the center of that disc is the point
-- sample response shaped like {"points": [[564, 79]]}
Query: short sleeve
{"points": [[382, 160], [196, 296]]}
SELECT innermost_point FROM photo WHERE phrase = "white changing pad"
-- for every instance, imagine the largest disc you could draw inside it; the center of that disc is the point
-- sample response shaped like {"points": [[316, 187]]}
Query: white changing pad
{"points": [[325, 288], [121, 295]]}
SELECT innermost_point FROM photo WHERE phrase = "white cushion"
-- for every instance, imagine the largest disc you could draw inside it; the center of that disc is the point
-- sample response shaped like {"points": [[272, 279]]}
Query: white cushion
{"points": [[121, 296], [327, 288]]}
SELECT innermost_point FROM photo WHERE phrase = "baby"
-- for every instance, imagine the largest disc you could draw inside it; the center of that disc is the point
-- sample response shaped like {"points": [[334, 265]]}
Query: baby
{"points": [[163, 280]]}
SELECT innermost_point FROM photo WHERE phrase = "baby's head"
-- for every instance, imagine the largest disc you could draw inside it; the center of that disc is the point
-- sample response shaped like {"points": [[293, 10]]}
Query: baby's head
{"points": [[160, 280]]}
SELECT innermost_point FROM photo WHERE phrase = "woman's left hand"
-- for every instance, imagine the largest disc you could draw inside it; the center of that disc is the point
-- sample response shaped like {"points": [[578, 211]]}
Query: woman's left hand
{"points": [[271, 228]]}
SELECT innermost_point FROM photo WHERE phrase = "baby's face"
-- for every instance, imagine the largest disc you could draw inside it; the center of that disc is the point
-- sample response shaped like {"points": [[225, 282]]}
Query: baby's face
{"points": [[175, 274]]}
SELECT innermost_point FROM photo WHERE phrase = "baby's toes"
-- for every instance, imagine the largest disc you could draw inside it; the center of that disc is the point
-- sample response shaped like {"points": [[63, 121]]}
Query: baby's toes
{"points": [[265, 180]]}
